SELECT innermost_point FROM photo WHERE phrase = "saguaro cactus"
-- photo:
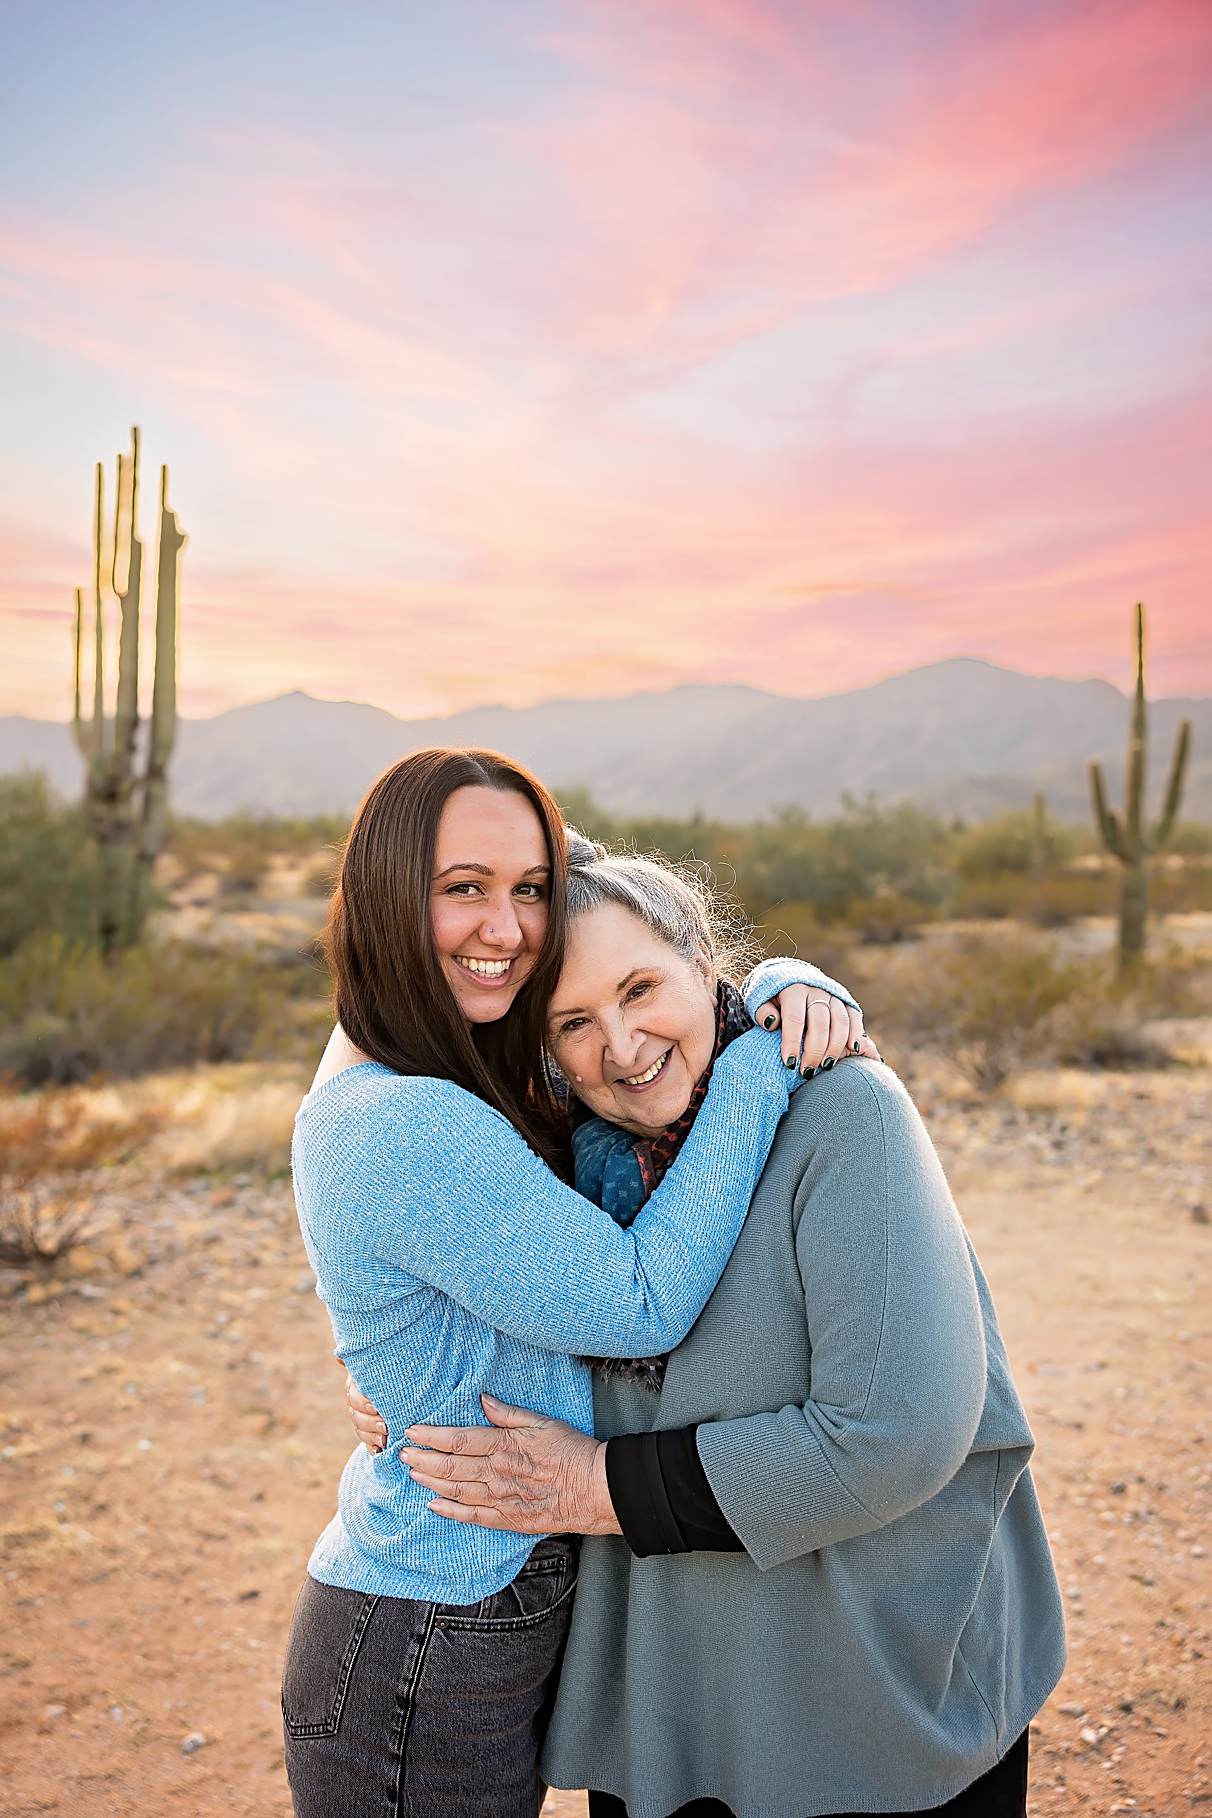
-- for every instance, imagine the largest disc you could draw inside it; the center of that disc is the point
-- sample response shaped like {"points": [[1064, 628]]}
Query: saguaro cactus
{"points": [[1129, 840], [127, 807]]}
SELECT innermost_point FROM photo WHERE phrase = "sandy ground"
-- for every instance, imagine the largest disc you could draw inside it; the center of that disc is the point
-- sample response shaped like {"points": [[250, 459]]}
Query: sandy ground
{"points": [[172, 1428]]}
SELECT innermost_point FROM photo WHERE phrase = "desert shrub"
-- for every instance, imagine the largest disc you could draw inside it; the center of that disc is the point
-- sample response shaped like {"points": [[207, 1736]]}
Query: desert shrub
{"points": [[1178, 887], [66, 1015], [794, 928], [1191, 839], [1105, 1032], [867, 852], [1050, 901], [243, 873], [1010, 843], [320, 877], [886, 917], [48, 865], [43, 1215], [987, 1002]]}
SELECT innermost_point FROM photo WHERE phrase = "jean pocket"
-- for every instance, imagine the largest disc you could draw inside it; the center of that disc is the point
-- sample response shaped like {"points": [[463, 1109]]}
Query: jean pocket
{"points": [[326, 1633], [542, 1587]]}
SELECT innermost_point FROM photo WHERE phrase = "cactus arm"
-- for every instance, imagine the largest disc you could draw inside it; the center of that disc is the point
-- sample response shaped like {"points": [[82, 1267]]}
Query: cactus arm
{"points": [[1106, 820], [84, 731], [1174, 787], [164, 684], [126, 712], [99, 622]]}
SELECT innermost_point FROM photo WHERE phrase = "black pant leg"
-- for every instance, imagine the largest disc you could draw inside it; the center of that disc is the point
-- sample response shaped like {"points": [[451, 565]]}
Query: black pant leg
{"points": [[1000, 1793]]}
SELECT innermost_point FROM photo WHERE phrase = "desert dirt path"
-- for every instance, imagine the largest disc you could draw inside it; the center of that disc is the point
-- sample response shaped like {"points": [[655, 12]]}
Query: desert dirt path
{"points": [[171, 1428]]}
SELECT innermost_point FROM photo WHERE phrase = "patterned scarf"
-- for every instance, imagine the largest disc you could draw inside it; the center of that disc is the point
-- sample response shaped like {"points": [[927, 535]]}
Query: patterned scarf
{"points": [[619, 1171]]}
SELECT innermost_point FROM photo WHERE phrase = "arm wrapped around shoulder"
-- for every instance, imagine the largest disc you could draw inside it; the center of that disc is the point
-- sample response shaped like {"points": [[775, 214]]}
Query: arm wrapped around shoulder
{"points": [[898, 1345]]}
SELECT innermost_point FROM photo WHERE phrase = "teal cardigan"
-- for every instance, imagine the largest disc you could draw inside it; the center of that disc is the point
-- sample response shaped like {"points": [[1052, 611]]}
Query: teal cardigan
{"points": [[894, 1621]]}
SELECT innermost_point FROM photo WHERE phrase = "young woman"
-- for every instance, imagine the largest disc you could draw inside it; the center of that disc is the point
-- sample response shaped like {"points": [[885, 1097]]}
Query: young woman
{"points": [[453, 1259], [833, 1592]]}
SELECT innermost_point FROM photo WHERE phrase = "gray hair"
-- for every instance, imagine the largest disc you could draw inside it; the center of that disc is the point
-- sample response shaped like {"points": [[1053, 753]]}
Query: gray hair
{"points": [[678, 903]]}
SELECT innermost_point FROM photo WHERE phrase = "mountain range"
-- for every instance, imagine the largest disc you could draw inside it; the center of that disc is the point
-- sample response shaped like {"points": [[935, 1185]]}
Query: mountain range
{"points": [[961, 736]]}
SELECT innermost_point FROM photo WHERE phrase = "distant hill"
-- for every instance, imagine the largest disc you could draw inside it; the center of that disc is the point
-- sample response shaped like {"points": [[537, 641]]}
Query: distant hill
{"points": [[961, 736]]}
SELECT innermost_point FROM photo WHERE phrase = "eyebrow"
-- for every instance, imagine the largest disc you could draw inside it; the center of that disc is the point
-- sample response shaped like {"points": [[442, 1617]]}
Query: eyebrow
{"points": [[579, 1009], [487, 870]]}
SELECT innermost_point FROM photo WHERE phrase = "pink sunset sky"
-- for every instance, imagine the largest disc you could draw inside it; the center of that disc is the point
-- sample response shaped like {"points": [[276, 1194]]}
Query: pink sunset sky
{"points": [[520, 348]]}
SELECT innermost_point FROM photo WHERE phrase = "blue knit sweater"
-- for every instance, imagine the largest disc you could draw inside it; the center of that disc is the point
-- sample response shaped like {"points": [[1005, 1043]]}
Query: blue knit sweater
{"points": [[452, 1261]]}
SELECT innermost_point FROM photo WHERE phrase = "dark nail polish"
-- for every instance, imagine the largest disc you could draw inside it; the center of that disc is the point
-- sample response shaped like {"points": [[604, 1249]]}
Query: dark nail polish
{"points": [[857, 1046], [827, 1063], [767, 1022], [811, 1072], [789, 1061]]}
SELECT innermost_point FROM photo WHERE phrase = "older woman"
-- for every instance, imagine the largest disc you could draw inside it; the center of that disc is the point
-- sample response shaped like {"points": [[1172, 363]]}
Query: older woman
{"points": [[821, 1582]]}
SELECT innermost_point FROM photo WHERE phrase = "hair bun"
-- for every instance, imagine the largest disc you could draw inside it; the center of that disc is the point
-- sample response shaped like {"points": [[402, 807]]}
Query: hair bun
{"points": [[582, 852]]}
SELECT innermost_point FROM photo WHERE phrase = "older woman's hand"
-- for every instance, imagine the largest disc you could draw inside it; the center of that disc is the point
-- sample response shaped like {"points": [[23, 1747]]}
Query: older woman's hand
{"points": [[818, 1028], [525, 1472]]}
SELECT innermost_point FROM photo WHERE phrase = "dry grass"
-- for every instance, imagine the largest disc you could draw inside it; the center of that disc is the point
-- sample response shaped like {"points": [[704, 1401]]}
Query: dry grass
{"points": [[49, 1150], [222, 1118], [241, 1119]]}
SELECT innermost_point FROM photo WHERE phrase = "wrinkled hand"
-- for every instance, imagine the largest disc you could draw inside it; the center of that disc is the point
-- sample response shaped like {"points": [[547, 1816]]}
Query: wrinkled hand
{"points": [[525, 1472], [818, 1028]]}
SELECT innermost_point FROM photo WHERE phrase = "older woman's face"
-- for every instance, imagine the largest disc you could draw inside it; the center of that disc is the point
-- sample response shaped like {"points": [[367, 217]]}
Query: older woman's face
{"points": [[631, 1023]]}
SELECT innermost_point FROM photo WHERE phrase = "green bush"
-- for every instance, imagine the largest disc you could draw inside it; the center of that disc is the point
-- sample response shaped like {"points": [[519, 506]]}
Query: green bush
{"points": [[1011, 843], [985, 1001], [66, 1015], [1051, 901], [48, 865], [244, 872]]}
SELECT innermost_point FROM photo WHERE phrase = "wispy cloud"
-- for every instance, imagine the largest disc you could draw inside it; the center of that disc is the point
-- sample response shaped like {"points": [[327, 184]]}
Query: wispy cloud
{"points": [[713, 338]]}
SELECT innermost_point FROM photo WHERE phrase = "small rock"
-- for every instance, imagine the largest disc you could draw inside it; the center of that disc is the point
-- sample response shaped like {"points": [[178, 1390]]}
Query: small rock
{"points": [[1072, 1710], [193, 1742], [116, 1712], [305, 1283], [1088, 1735], [55, 1710]]}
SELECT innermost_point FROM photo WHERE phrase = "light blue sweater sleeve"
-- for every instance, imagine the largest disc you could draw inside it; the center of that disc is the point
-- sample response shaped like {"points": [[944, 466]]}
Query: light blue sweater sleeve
{"points": [[898, 1344], [458, 1199], [774, 975]]}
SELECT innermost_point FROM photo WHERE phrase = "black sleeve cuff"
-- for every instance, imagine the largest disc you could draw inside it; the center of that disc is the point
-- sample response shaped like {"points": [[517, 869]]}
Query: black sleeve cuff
{"points": [[661, 1495], [700, 1520]]}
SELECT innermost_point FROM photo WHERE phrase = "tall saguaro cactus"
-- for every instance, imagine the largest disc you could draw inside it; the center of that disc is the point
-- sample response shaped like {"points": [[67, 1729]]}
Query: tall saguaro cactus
{"points": [[126, 804], [1129, 840]]}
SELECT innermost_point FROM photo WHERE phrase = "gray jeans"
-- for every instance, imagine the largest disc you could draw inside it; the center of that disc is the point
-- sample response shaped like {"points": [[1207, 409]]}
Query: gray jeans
{"points": [[399, 1709]]}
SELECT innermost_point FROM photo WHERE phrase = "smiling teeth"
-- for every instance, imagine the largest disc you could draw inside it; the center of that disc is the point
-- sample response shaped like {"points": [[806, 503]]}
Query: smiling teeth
{"points": [[642, 1079], [486, 968]]}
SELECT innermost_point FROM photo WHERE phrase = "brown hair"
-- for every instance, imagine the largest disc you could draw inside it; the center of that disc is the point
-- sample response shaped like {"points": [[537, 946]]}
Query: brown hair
{"points": [[392, 998]]}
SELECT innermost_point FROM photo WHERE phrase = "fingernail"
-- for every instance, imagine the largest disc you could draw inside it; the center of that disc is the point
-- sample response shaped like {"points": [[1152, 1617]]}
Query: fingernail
{"points": [[767, 1022], [492, 1400], [829, 1061], [857, 1046], [789, 1060], [811, 1072], [409, 1433]]}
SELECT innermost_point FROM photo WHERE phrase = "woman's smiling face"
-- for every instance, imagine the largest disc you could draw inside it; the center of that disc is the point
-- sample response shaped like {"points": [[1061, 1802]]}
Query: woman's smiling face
{"points": [[489, 895], [632, 1022]]}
